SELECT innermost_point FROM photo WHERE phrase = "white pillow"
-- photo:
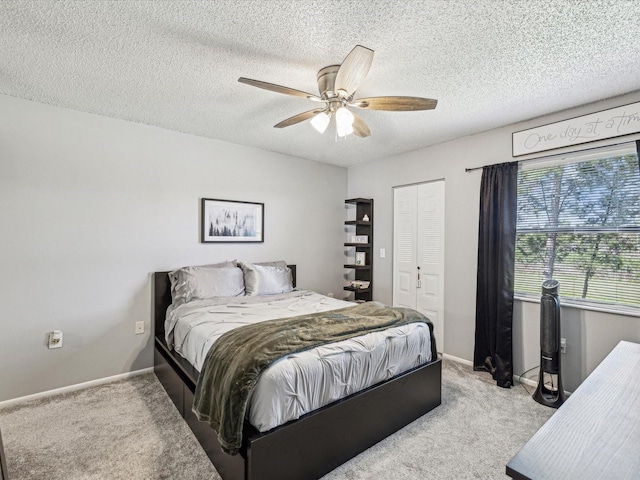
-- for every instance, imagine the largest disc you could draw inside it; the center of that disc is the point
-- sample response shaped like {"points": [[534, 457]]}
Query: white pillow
{"points": [[266, 279], [206, 281]]}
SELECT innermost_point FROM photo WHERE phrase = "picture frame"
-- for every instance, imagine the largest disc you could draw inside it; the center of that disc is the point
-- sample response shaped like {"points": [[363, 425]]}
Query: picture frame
{"points": [[231, 221], [361, 258]]}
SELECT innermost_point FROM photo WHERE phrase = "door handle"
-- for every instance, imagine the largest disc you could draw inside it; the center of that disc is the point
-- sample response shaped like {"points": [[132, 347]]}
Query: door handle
{"points": [[418, 282]]}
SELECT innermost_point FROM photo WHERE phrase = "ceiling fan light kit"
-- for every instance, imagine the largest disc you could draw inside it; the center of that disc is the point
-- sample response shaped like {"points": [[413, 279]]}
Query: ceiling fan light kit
{"points": [[321, 121], [337, 85], [344, 121]]}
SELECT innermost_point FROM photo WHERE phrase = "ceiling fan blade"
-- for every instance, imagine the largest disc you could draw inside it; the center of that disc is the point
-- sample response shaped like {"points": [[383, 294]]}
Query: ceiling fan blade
{"points": [[354, 69], [360, 128], [399, 104], [279, 88], [301, 117]]}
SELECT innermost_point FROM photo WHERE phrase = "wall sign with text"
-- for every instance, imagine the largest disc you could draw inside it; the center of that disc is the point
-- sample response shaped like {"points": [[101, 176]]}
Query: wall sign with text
{"points": [[614, 122]]}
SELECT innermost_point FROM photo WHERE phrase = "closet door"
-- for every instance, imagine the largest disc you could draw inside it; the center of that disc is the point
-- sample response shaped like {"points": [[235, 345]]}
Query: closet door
{"points": [[405, 226], [418, 252], [430, 256]]}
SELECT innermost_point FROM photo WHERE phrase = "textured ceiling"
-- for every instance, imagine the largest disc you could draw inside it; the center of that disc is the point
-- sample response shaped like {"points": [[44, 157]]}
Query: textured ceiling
{"points": [[176, 64]]}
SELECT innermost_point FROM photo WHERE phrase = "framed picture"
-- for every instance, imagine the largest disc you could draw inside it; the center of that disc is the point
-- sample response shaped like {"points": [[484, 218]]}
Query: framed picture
{"points": [[360, 258], [231, 221]]}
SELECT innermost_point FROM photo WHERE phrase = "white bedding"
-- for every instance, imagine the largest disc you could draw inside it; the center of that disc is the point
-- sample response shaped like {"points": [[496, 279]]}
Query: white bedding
{"points": [[304, 381]]}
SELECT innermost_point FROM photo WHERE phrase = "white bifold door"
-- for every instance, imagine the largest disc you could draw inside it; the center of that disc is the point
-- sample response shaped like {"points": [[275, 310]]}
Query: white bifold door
{"points": [[418, 251]]}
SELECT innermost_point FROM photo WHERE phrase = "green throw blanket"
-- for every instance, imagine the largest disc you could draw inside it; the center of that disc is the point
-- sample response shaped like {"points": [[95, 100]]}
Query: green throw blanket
{"points": [[237, 359]]}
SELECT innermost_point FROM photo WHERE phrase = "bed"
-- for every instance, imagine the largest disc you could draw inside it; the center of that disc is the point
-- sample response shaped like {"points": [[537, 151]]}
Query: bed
{"points": [[315, 443]]}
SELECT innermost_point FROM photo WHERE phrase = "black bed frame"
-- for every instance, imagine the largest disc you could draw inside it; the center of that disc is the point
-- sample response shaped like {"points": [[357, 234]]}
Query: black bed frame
{"points": [[317, 442], [4, 475]]}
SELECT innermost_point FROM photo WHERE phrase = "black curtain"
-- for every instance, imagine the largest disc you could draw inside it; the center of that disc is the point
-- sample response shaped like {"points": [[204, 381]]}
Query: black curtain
{"points": [[496, 263]]}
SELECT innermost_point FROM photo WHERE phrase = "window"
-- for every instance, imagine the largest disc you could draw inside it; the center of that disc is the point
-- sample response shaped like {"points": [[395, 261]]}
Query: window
{"points": [[579, 222]]}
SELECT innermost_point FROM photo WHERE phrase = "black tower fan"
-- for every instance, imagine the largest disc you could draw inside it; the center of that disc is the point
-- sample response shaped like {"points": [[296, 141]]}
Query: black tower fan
{"points": [[550, 391]]}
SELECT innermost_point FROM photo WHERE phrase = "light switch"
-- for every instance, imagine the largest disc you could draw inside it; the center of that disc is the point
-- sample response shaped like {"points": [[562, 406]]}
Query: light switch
{"points": [[383, 253], [55, 339]]}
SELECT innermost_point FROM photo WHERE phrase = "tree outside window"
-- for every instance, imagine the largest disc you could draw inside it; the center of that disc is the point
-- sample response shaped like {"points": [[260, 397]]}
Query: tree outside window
{"points": [[579, 222]]}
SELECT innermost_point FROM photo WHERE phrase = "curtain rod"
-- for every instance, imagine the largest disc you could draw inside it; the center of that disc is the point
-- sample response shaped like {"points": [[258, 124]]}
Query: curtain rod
{"points": [[560, 154]]}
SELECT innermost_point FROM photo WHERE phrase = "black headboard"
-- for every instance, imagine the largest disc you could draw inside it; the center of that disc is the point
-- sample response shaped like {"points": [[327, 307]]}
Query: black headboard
{"points": [[162, 298]]}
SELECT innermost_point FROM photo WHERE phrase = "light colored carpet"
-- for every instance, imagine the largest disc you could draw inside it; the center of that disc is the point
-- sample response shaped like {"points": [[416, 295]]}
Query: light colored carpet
{"points": [[130, 430]]}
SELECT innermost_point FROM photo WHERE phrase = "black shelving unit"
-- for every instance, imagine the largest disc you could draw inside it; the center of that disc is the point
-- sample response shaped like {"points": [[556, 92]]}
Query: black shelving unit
{"points": [[360, 227]]}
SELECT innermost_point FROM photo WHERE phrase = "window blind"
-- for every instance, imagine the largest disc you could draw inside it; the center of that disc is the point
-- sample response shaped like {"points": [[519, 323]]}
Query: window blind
{"points": [[579, 222]]}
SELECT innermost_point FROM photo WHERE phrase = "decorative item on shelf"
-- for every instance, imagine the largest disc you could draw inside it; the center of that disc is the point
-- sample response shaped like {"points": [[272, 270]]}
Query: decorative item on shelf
{"points": [[365, 218], [359, 284], [359, 239], [360, 258]]}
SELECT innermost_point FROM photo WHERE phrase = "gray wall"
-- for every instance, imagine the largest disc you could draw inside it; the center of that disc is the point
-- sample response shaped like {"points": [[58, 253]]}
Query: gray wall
{"points": [[590, 335], [90, 206]]}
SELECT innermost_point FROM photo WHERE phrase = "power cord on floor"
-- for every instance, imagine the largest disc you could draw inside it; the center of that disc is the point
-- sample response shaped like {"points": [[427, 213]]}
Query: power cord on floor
{"points": [[522, 375]]}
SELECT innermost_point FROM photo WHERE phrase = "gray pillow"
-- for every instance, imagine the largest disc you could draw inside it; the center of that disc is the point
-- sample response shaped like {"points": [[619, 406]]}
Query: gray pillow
{"points": [[206, 281], [261, 279], [277, 263]]}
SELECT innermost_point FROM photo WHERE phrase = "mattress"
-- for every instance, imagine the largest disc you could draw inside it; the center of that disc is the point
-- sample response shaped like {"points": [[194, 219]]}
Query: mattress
{"points": [[301, 382]]}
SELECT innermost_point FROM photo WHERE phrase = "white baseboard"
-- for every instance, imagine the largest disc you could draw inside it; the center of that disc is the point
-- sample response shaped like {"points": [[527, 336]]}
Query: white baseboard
{"points": [[526, 381], [77, 386], [534, 382], [468, 363]]}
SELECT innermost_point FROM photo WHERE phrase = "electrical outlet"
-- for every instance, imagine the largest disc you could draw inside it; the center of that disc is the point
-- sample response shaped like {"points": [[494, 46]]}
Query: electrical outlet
{"points": [[139, 327], [563, 345], [55, 339]]}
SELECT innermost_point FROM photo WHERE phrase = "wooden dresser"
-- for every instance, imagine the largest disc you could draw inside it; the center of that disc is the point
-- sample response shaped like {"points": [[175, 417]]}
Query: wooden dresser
{"points": [[595, 434]]}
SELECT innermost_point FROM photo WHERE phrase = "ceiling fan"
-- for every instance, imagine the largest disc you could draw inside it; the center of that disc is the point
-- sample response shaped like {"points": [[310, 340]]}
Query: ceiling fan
{"points": [[337, 85]]}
